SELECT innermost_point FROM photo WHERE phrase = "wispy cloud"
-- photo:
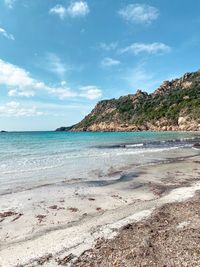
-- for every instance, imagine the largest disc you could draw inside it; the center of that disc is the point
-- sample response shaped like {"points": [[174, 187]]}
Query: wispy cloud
{"points": [[20, 83], [62, 92], [109, 62], [49, 107], [7, 35], [139, 13], [15, 109], [108, 46], [139, 78], [91, 92], [58, 10], [152, 48], [55, 65], [9, 3], [75, 9]]}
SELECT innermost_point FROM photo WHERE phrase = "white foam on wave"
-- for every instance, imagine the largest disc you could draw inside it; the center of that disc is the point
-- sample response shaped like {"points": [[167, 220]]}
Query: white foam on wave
{"points": [[134, 145], [147, 150]]}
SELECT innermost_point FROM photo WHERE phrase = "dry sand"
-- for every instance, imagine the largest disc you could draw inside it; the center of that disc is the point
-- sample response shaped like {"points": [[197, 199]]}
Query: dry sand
{"points": [[170, 237]]}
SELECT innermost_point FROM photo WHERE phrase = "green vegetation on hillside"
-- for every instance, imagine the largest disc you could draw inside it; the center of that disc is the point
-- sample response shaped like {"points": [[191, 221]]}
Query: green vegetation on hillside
{"points": [[178, 98], [169, 106]]}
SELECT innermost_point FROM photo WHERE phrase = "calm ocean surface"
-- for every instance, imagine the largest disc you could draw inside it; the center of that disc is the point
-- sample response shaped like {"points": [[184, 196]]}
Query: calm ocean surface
{"points": [[36, 158]]}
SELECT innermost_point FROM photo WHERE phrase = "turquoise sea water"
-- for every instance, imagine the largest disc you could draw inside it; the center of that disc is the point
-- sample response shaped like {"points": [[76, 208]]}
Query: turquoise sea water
{"points": [[35, 158]]}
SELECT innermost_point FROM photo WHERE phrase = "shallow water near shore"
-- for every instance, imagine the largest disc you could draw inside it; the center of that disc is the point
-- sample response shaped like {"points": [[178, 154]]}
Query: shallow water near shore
{"points": [[29, 159]]}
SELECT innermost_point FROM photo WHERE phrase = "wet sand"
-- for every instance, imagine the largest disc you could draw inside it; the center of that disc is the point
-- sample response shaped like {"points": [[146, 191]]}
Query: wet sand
{"points": [[54, 224]]}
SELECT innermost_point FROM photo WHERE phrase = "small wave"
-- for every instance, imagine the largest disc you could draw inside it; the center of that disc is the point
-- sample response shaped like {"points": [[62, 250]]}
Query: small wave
{"points": [[134, 145], [39, 168], [144, 151], [195, 148]]}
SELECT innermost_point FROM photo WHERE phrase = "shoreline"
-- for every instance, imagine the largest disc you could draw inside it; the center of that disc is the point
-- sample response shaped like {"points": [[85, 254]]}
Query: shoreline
{"points": [[115, 174], [60, 160], [88, 213]]}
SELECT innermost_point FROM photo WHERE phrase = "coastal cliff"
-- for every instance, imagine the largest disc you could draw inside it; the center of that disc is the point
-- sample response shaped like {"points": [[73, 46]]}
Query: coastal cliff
{"points": [[174, 106]]}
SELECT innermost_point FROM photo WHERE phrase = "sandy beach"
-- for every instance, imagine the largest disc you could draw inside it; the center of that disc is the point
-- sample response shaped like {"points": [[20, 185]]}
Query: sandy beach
{"points": [[99, 133], [54, 224]]}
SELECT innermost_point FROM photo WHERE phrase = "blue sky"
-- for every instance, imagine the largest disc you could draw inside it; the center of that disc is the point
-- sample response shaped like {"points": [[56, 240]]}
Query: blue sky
{"points": [[58, 58]]}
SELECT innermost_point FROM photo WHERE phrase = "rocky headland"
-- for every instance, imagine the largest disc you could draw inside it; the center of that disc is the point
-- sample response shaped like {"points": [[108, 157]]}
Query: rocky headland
{"points": [[174, 106]]}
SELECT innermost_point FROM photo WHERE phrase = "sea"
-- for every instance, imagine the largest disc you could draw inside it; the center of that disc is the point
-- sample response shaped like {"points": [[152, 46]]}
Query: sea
{"points": [[31, 159]]}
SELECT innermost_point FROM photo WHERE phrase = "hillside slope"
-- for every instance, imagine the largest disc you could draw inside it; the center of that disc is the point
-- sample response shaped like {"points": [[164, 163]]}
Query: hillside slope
{"points": [[174, 106]]}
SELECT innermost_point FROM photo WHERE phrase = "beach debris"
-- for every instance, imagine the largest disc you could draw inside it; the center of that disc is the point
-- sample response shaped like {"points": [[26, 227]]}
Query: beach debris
{"points": [[65, 260], [197, 145], [128, 227], [40, 217], [169, 237], [158, 189], [54, 207], [91, 199], [116, 196], [98, 209], [6, 214], [44, 259], [17, 217], [73, 209]]}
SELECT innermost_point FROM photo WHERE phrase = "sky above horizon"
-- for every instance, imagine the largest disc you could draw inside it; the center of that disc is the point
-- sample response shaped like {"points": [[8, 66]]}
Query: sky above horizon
{"points": [[58, 58]]}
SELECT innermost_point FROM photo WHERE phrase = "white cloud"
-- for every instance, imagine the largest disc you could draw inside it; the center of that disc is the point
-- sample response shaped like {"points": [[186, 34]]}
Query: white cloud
{"points": [[139, 13], [75, 9], [15, 109], [6, 34], [109, 62], [109, 46], [62, 92], [18, 80], [153, 48], [9, 3], [91, 92], [78, 9], [58, 10], [20, 83]]}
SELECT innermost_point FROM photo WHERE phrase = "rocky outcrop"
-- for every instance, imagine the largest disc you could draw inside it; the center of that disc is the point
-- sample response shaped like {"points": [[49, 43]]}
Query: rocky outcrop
{"points": [[174, 106], [197, 145], [187, 81], [64, 129]]}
